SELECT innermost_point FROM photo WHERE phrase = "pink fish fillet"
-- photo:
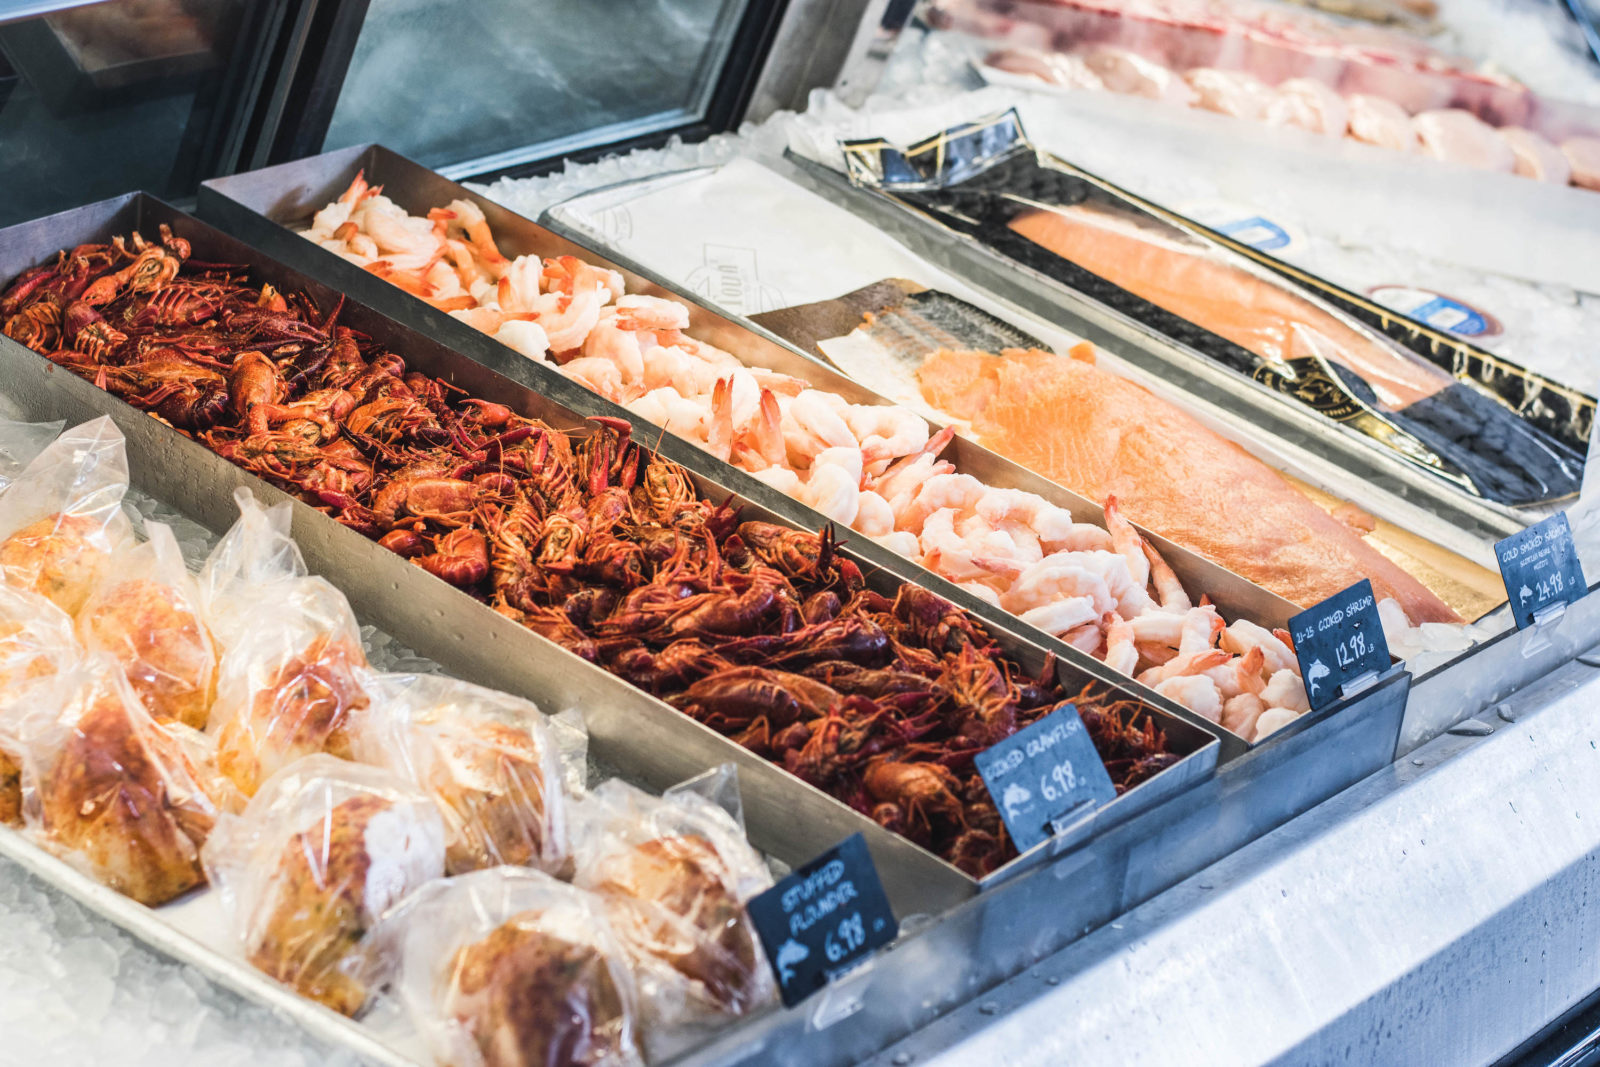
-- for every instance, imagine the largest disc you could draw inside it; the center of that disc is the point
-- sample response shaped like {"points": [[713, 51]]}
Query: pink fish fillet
{"points": [[1057, 69], [1382, 122], [1458, 136], [1231, 92], [1310, 105], [1584, 155], [1536, 157]]}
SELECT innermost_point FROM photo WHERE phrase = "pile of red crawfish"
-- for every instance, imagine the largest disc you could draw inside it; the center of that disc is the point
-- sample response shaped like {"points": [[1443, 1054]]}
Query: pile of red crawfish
{"points": [[764, 633]]}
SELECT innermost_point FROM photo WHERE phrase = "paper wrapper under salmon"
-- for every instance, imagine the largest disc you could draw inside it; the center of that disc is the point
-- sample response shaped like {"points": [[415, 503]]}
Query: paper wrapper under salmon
{"points": [[321, 853], [1488, 428], [510, 968], [62, 517], [675, 873], [119, 794], [487, 760], [1101, 435]]}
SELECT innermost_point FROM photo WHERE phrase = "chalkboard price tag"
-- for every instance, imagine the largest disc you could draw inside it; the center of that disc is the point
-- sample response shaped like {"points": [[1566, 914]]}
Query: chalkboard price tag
{"points": [[1039, 775], [823, 918], [1340, 644], [1541, 570]]}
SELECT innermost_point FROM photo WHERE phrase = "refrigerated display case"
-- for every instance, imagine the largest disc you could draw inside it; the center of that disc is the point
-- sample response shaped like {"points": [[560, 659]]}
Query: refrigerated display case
{"points": [[1398, 875]]}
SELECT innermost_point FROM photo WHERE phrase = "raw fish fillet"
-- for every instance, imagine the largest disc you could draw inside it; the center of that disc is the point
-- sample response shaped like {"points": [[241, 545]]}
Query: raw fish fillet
{"points": [[1584, 155], [1536, 157], [1381, 122], [1102, 435], [1310, 105], [1459, 136], [1231, 92], [1256, 313], [1068, 71]]}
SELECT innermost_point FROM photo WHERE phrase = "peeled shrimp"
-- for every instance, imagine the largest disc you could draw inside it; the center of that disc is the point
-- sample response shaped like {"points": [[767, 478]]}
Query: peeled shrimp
{"points": [[1285, 690], [886, 431], [811, 424], [946, 552], [1122, 655], [874, 517], [1240, 713], [1062, 616], [831, 490], [524, 336], [1242, 635], [1273, 719], [601, 375], [1050, 580], [1127, 542], [1195, 692], [787, 482], [959, 491]]}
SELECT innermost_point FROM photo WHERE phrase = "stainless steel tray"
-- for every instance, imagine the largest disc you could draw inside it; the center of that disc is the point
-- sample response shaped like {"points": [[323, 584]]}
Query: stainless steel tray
{"points": [[1199, 377], [261, 206]]}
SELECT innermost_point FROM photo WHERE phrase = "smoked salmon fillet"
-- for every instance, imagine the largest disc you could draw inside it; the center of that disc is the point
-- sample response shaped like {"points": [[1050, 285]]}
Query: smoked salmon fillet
{"points": [[1101, 435], [1258, 314]]}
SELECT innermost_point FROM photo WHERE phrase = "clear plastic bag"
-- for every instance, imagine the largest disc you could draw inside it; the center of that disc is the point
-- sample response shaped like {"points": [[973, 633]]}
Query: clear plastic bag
{"points": [[488, 760], [145, 614], [116, 793], [62, 517], [286, 684], [20, 445], [675, 873], [321, 852], [510, 968], [37, 643]]}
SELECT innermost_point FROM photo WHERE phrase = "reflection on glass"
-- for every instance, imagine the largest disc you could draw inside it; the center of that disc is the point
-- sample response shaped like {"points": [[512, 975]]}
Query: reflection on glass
{"points": [[484, 83], [101, 100]]}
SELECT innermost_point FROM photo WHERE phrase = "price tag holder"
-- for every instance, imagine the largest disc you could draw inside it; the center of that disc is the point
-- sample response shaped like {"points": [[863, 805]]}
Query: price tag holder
{"points": [[1040, 775], [1340, 645], [1541, 570], [823, 918]]}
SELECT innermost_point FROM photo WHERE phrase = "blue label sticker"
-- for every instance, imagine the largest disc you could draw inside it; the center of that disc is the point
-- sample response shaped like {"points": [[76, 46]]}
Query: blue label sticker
{"points": [[823, 918], [1339, 641], [1541, 569], [1264, 235], [1041, 774], [1437, 310]]}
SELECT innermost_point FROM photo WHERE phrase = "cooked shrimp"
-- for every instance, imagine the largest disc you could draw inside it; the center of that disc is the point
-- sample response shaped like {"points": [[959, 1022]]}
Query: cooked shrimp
{"points": [[761, 442], [1195, 692], [671, 365], [811, 424], [832, 490], [959, 491], [886, 431], [647, 314], [567, 319], [518, 287], [1132, 600], [982, 592], [467, 217], [569, 276], [1273, 719], [607, 341], [1122, 655], [900, 542], [787, 482], [947, 553], [1053, 579], [1242, 674], [1240, 713], [1243, 635], [1062, 615], [336, 214], [874, 517], [1169, 590], [395, 231], [525, 336], [1285, 690], [601, 375], [1127, 542]]}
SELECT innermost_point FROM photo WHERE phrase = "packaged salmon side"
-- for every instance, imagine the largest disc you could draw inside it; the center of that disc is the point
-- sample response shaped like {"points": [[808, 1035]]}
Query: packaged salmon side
{"points": [[1486, 427]]}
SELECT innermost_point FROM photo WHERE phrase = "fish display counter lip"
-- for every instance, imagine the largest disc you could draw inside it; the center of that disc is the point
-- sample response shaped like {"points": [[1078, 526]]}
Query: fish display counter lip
{"points": [[264, 206], [1209, 382]]}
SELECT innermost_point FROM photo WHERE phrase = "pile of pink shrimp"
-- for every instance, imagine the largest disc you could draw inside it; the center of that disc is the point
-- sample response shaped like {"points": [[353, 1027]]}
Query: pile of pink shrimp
{"points": [[872, 467]]}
